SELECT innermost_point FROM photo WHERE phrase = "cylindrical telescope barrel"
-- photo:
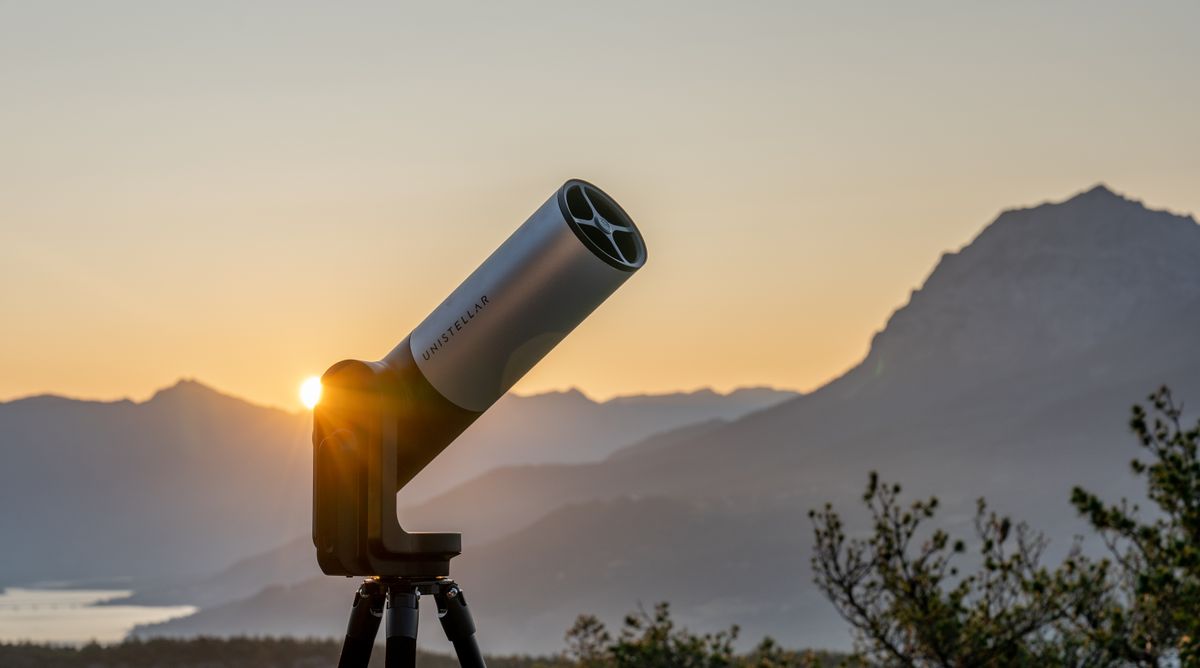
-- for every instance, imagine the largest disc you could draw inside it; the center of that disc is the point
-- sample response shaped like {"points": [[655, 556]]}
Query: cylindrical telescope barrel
{"points": [[571, 254], [554, 270]]}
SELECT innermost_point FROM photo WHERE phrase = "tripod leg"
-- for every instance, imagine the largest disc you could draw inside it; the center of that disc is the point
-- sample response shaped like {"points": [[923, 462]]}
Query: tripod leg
{"points": [[364, 624], [402, 604], [458, 625]]}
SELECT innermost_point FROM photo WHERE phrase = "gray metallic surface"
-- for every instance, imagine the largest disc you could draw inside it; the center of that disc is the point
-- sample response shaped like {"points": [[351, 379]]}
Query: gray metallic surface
{"points": [[529, 294]]}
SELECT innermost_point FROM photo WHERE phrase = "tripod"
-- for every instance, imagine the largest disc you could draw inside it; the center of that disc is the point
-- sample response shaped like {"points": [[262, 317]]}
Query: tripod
{"points": [[401, 596]]}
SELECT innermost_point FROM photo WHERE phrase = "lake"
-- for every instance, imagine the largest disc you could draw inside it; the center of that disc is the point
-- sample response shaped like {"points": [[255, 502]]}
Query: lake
{"points": [[73, 616]]}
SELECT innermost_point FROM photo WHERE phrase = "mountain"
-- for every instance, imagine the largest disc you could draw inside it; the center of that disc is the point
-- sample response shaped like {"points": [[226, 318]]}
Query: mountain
{"points": [[568, 427], [294, 562], [170, 486], [1008, 374], [164, 493]]}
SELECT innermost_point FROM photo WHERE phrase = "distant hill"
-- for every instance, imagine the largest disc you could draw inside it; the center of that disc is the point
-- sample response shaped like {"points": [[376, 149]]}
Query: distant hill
{"points": [[172, 490], [1008, 374], [294, 562], [174, 485], [568, 427]]}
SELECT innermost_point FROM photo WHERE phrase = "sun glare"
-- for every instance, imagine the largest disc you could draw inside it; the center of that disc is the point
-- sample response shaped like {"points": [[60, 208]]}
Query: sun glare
{"points": [[310, 392]]}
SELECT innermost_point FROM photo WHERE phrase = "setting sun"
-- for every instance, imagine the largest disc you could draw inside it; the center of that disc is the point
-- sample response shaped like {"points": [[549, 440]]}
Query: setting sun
{"points": [[310, 392]]}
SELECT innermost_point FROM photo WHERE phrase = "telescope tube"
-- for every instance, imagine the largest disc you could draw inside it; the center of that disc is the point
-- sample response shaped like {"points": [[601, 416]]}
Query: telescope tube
{"points": [[555, 269]]}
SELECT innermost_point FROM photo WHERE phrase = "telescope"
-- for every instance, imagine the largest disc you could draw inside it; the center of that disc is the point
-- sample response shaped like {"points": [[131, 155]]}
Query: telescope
{"points": [[378, 424]]}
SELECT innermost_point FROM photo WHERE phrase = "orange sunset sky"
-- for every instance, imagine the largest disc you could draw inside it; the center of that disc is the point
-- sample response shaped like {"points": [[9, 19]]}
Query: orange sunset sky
{"points": [[245, 193]]}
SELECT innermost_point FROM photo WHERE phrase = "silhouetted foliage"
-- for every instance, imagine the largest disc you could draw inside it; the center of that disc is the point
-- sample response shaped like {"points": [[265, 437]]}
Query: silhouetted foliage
{"points": [[646, 641], [587, 642], [222, 653], [652, 640], [1153, 617], [901, 590]]}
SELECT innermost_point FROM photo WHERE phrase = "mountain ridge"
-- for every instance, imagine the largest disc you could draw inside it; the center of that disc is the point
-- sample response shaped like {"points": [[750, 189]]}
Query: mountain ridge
{"points": [[194, 387], [191, 479]]}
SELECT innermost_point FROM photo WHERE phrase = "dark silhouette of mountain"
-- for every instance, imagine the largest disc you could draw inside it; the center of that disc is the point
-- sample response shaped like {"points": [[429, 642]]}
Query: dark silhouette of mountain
{"points": [[171, 486], [568, 427], [287, 564], [1009, 374], [171, 490]]}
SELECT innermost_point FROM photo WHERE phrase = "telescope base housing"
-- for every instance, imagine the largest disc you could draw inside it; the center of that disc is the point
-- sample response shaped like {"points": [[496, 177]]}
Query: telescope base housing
{"points": [[373, 430]]}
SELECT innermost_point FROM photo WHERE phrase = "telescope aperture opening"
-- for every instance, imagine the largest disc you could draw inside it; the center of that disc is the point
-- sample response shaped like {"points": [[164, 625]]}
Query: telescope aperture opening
{"points": [[602, 225]]}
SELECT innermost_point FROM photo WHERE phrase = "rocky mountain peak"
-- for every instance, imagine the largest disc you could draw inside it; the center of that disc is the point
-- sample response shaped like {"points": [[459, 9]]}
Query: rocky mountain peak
{"points": [[1046, 282]]}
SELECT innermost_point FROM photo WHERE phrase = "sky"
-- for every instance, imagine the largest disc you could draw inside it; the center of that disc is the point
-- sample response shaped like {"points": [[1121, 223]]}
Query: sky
{"points": [[245, 192]]}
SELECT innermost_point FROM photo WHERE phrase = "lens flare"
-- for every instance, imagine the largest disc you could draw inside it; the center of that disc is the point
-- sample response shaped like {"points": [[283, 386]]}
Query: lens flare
{"points": [[310, 392]]}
